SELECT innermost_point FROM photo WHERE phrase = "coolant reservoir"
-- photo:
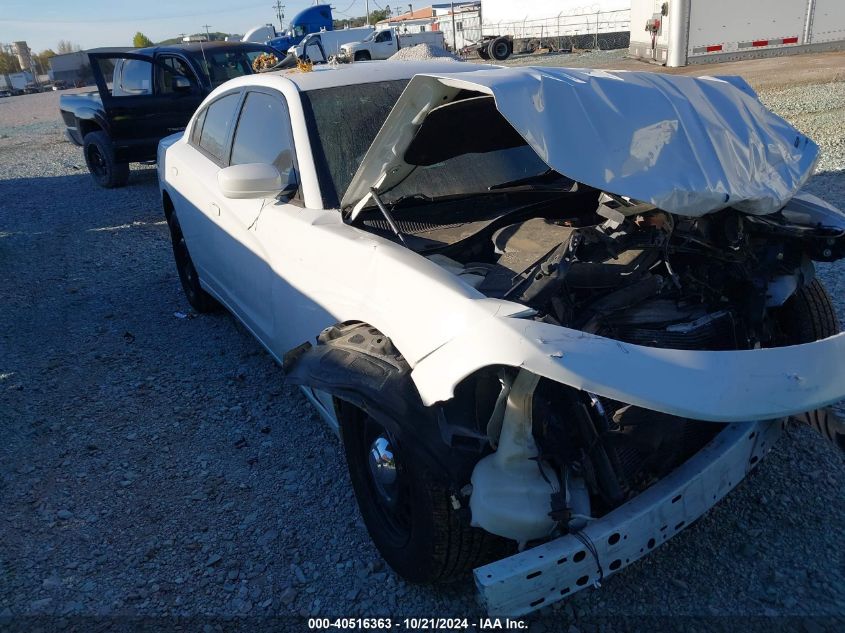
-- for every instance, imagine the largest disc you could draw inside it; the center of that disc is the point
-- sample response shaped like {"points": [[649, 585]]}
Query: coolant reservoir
{"points": [[511, 488]]}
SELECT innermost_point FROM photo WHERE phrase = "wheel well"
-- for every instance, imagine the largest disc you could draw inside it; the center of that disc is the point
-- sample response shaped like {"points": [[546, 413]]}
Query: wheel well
{"points": [[167, 204], [86, 127]]}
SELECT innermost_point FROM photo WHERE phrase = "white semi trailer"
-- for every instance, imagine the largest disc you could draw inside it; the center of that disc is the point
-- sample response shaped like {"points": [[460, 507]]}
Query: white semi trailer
{"points": [[681, 32]]}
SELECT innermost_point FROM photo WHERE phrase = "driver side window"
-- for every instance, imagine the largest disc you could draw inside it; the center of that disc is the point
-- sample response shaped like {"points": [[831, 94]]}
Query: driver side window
{"points": [[384, 36], [170, 68], [263, 135]]}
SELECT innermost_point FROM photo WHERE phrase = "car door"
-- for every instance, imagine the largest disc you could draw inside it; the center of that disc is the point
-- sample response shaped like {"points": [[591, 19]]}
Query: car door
{"points": [[176, 80], [384, 46], [138, 115], [262, 135], [193, 173]]}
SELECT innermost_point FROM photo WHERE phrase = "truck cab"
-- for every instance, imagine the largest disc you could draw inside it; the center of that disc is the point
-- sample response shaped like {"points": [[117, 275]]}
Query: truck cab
{"points": [[311, 20], [144, 95]]}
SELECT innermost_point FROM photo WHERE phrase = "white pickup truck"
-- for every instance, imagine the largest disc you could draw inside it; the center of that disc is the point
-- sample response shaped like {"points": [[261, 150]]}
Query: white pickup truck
{"points": [[383, 43]]}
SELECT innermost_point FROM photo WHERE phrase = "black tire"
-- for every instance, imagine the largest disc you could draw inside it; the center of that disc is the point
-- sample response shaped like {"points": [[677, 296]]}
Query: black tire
{"points": [[482, 52], [500, 49], [828, 424], [363, 56], [99, 157], [199, 299], [420, 535], [808, 315]]}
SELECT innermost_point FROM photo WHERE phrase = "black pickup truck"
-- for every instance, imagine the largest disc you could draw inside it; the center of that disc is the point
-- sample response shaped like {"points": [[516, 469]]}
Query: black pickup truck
{"points": [[144, 95]]}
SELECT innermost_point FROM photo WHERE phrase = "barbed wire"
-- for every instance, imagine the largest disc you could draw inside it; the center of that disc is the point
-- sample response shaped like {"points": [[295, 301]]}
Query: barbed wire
{"points": [[570, 29]]}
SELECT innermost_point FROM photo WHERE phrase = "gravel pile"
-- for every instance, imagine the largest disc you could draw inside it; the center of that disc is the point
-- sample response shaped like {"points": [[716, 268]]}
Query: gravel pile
{"points": [[422, 52], [154, 462]]}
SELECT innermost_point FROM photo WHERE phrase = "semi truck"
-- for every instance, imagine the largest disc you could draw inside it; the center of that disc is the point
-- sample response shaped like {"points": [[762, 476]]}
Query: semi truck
{"points": [[311, 20]]}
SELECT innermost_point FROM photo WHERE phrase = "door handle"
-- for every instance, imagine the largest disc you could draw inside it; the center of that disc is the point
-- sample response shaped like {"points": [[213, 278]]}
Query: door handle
{"points": [[215, 208]]}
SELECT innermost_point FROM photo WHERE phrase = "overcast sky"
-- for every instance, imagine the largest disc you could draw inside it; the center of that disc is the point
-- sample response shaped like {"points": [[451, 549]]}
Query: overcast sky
{"points": [[92, 23]]}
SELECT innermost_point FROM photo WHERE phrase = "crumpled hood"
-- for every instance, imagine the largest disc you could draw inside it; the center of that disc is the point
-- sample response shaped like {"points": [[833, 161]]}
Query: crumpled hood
{"points": [[688, 145]]}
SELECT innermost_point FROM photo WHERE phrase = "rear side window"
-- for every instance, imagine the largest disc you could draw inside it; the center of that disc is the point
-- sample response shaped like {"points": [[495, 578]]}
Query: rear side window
{"points": [[196, 131], [216, 122], [263, 134]]}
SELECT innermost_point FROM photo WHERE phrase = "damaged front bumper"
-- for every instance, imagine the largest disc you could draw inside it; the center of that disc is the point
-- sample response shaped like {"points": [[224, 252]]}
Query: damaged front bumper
{"points": [[547, 573]]}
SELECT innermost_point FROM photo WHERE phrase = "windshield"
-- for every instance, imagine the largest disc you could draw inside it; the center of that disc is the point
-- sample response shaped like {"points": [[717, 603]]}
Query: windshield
{"points": [[221, 66], [346, 119], [370, 37]]}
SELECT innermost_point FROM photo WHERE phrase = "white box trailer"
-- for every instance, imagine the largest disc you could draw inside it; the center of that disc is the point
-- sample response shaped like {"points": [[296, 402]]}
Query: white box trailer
{"points": [[681, 32]]}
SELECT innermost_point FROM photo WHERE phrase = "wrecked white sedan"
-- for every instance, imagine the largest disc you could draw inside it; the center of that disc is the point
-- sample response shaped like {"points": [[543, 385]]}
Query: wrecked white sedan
{"points": [[555, 315]]}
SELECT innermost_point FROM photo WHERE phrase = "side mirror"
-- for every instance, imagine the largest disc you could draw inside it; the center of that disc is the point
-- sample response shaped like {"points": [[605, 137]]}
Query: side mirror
{"points": [[251, 180], [179, 83]]}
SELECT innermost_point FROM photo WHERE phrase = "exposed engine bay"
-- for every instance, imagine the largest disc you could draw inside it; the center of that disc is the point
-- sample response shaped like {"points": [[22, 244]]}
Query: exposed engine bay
{"points": [[626, 271]]}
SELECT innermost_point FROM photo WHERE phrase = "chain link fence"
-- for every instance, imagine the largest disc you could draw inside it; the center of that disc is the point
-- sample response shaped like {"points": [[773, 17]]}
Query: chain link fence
{"points": [[602, 30]]}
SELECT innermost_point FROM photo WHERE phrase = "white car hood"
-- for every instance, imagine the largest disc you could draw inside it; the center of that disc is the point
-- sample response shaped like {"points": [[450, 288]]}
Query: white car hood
{"points": [[687, 145]]}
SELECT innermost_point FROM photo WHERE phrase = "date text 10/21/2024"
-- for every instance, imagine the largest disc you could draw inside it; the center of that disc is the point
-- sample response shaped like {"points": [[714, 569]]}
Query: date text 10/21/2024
{"points": [[418, 624]]}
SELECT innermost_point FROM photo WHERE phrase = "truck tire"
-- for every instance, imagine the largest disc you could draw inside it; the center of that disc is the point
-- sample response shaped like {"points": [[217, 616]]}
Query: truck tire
{"points": [[410, 516], [99, 157], [199, 299], [500, 49], [808, 315], [483, 53], [363, 56]]}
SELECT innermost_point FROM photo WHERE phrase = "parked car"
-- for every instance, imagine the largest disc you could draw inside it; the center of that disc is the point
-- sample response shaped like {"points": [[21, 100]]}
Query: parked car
{"points": [[384, 43], [60, 84], [144, 95], [559, 311]]}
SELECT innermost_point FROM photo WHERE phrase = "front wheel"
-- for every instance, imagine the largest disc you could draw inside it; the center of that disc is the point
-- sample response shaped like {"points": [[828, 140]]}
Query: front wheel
{"points": [[99, 157], [363, 56], [808, 315], [409, 516]]}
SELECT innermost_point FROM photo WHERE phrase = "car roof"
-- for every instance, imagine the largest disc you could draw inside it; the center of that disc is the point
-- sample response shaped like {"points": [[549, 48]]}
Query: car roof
{"points": [[332, 75], [200, 47]]}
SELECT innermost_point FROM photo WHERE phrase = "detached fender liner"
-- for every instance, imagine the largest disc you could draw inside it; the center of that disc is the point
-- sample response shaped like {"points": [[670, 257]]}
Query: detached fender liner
{"points": [[359, 365]]}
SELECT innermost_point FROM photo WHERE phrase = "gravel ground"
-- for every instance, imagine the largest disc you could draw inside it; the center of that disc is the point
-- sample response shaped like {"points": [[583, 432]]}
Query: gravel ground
{"points": [[153, 465]]}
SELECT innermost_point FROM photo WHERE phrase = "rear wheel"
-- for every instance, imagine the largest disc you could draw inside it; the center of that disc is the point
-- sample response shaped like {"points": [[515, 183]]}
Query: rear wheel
{"points": [[99, 157], [199, 299], [408, 514], [500, 49], [483, 53]]}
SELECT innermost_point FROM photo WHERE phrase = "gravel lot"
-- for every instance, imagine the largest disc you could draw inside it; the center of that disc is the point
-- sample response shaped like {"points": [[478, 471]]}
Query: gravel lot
{"points": [[157, 466]]}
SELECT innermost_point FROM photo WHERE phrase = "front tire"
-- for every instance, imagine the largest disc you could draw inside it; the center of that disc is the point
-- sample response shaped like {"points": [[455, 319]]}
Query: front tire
{"points": [[99, 157], [363, 56], [199, 299], [408, 514], [808, 315]]}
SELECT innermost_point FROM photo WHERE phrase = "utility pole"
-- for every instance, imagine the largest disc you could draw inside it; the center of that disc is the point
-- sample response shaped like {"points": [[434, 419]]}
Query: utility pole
{"points": [[207, 34], [367, 11], [454, 32], [280, 13]]}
